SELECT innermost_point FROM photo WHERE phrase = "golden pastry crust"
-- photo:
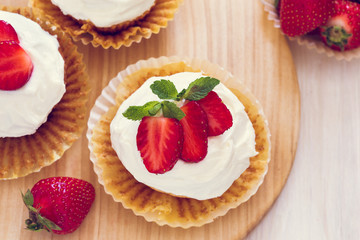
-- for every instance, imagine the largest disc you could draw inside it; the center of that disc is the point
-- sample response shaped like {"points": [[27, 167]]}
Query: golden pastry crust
{"points": [[164, 208], [24, 155], [123, 34]]}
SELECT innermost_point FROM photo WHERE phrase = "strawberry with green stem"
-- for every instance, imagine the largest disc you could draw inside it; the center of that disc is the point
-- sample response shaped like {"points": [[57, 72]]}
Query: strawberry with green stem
{"points": [[342, 31], [58, 204], [298, 18]]}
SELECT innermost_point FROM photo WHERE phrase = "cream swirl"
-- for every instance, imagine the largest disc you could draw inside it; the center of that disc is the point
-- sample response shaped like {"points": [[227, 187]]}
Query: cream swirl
{"points": [[24, 110], [228, 154], [104, 13]]}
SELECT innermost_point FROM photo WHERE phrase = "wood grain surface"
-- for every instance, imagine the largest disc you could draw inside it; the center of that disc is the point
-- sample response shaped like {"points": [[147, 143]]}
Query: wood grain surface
{"points": [[234, 34]]}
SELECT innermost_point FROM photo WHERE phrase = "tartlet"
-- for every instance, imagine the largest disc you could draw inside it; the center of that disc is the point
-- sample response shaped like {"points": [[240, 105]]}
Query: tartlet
{"points": [[153, 205], [117, 35], [26, 154]]}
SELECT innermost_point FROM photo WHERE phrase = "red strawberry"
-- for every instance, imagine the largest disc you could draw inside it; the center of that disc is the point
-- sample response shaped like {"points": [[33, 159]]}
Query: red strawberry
{"points": [[342, 31], [218, 115], [15, 66], [298, 17], [7, 33], [58, 204], [195, 126], [159, 141]]}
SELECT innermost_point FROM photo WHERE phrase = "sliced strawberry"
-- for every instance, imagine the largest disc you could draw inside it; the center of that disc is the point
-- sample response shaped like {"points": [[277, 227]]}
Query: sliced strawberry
{"points": [[15, 66], [7, 33], [300, 17], [342, 31], [218, 115], [195, 126], [159, 141]]}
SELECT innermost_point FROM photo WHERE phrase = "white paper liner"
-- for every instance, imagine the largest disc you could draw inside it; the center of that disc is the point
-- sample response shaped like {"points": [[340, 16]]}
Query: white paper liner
{"points": [[162, 13], [107, 100], [311, 42]]}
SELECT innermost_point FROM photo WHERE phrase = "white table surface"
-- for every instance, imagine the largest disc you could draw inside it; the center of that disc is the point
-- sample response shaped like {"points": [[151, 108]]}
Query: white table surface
{"points": [[321, 199]]}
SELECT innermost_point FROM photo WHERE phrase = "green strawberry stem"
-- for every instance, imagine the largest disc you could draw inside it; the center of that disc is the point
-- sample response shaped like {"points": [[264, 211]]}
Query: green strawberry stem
{"points": [[336, 35], [36, 222], [276, 4]]}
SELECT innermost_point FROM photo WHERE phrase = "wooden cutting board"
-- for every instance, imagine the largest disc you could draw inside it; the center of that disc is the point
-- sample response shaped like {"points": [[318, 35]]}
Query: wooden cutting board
{"points": [[234, 34]]}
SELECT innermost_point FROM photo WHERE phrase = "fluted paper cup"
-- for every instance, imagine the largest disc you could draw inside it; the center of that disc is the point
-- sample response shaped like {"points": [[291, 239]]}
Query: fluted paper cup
{"points": [[155, 206], [123, 34], [21, 156]]}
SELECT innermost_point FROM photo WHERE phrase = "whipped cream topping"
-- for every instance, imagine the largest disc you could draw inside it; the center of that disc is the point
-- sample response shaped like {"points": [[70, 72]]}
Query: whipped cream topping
{"points": [[228, 154], [24, 110], [104, 13]]}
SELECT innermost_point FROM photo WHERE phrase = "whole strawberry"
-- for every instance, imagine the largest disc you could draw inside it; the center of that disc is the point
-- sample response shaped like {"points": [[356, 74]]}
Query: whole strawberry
{"points": [[300, 17], [58, 204], [342, 31]]}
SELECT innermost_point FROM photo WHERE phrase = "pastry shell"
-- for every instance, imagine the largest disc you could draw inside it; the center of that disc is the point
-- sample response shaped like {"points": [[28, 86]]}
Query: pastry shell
{"points": [[123, 34], [21, 156], [155, 206]]}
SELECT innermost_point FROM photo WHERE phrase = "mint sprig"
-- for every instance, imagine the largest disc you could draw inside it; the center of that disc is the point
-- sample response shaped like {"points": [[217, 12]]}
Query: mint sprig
{"points": [[200, 88], [165, 89], [170, 110], [138, 112]]}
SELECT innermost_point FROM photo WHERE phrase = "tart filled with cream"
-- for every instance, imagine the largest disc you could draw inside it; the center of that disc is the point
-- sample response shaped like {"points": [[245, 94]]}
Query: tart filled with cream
{"points": [[31, 76], [108, 23], [104, 13], [193, 137], [152, 152], [43, 93]]}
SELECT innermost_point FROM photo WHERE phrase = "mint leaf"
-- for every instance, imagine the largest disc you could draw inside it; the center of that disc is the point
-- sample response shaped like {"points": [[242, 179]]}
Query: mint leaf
{"points": [[164, 89], [199, 88], [170, 110], [138, 112]]}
